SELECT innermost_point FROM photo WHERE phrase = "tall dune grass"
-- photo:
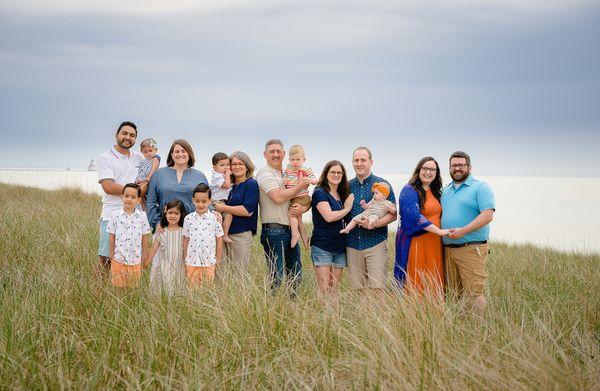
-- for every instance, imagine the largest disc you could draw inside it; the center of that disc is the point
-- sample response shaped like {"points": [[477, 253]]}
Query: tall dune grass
{"points": [[61, 329]]}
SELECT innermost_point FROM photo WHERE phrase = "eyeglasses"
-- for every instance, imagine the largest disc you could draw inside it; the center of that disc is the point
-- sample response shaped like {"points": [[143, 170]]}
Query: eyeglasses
{"points": [[458, 165], [336, 173], [238, 164], [427, 169]]}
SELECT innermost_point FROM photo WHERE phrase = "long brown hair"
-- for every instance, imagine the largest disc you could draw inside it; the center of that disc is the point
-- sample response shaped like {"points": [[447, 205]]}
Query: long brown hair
{"points": [[343, 188], [435, 186], [188, 148]]}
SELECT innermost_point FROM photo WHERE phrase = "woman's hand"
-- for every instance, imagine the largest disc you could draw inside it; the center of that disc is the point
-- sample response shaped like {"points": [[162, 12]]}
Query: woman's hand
{"points": [[218, 216], [349, 203], [444, 232], [218, 207], [159, 229]]}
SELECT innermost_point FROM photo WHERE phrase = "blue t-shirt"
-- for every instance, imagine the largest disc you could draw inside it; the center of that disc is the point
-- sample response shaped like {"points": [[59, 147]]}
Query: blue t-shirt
{"points": [[246, 194], [326, 236], [462, 205], [164, 187], [360, 238]]}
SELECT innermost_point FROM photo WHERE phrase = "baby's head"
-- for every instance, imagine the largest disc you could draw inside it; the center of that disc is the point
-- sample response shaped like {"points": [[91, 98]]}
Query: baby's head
{"points": [[220, 162], [381, 191], [149, 148], [297, 156]]}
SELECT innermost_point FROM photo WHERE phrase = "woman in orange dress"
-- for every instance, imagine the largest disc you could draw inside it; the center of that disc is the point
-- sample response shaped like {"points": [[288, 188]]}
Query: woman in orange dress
{"points": [[418, 242]]}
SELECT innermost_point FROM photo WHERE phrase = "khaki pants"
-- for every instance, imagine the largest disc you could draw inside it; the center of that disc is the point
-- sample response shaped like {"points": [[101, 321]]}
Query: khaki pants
{"points": [[368, 268], [237, 253], [464, 268]]}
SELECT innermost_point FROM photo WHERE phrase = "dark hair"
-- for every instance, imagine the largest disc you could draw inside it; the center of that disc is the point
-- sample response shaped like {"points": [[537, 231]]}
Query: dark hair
{"points": [[435, 186], [461, 154], [127, 123], [188, 148], [202, 188], [132, 186], [170, 205], [217, 157], [343, 188]]}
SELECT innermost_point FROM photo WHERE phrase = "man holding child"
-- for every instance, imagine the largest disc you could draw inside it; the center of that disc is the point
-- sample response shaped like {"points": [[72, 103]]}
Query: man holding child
{"points": [[366, 250], [116, 167], [274, 200]]}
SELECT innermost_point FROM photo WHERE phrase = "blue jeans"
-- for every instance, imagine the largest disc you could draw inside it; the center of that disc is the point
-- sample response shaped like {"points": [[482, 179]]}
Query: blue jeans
{"points": [[281, 258]]}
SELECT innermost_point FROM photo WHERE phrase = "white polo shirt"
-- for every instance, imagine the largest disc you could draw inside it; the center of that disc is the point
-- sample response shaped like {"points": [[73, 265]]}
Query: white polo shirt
{"points": [[122, 169]]}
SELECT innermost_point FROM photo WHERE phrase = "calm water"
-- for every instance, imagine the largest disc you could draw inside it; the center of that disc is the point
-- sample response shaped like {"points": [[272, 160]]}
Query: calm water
{"points": [[563, 213]]}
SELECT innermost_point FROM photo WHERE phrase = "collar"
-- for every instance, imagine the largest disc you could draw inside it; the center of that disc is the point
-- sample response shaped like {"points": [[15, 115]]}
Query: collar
{"points": [[468, 182], [118, 154], [367, 179], [136, 211]]}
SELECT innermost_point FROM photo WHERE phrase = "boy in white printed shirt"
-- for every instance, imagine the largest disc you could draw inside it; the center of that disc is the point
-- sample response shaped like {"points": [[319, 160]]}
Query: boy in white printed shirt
{"points": [[128, 229], [202, 239]]}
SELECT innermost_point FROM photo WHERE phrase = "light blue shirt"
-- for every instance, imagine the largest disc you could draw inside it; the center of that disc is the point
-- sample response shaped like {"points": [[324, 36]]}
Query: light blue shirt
{"points": [[164, 187], [462, 205]]}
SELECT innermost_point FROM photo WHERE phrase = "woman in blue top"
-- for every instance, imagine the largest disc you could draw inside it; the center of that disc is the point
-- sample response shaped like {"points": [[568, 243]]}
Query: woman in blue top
{"points": [[331, 203], [243, 205], [174, 182]]}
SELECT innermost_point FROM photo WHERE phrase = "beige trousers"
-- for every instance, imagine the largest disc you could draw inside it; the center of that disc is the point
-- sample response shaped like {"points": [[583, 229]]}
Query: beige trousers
{"points": [[368, 268]]}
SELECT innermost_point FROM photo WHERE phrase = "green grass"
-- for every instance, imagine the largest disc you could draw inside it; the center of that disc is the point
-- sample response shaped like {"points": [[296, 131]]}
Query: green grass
{"points": [[61, 329]]}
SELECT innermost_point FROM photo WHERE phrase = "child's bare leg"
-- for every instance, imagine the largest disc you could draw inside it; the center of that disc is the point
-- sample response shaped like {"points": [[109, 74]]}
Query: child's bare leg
{"points": [[372, 221], [302, 230], [227, 219], [295, 231], [349, 227]]}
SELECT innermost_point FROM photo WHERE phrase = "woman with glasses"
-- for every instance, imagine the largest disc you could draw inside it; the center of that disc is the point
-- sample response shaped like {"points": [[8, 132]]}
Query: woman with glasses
{"points": [[418, 242], [242, 204], [331, 202]]}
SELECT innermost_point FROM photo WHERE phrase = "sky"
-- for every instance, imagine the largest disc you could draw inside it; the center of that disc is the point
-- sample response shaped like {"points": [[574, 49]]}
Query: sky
{"points": [[516, 84]]}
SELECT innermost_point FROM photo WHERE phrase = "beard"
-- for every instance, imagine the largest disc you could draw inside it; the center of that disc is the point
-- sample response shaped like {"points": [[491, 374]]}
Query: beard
{"points": [[124, 144], [459, 176]]}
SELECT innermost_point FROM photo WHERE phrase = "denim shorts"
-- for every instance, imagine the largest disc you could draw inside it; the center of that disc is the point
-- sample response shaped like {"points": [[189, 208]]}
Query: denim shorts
{"points": [[321, 257], [103, 249]]}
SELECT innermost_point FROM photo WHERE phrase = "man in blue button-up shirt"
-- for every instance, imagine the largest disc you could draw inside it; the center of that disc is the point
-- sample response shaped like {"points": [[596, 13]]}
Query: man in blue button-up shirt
{"points": [[366, 249], [468, 207]]}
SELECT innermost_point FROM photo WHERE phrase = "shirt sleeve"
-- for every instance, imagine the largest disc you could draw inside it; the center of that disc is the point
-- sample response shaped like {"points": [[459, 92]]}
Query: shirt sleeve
{"points": [[152, 206], [251, 197], [111, 227], [217, 180], [104, 168], [145, 224], [319, 196], [186, 227], [392, 197], [218, 229], [485, 197], [267, 182]]}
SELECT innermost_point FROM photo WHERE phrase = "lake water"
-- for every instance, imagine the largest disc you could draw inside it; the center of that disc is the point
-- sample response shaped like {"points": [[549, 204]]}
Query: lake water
{"points": [[562, 213]]}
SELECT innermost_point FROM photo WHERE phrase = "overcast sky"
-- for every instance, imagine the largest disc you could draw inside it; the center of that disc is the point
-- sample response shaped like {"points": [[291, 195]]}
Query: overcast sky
{"points": [[514, 83]]}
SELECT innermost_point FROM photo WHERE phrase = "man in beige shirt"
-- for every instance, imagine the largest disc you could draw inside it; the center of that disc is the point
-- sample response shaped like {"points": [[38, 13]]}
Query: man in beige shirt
{"points": [[274, 200]]}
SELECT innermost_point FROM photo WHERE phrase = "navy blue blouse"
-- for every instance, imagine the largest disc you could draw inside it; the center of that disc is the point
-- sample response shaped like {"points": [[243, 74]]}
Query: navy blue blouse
{"points": [[246, 194], [326, 236]]}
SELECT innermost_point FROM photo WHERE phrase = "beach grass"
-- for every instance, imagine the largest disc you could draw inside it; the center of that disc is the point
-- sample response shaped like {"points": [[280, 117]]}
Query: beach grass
{"points": [[61, 329]]}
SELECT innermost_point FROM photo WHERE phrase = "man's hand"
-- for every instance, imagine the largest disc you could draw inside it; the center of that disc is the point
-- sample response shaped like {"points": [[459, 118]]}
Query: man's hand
{"points": [[303, 183], [456, 233], [296, 210]]}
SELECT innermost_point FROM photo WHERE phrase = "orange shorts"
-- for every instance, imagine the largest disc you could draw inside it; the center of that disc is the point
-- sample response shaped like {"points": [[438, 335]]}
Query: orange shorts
{"points": [[125, 276], [198, 274]]}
